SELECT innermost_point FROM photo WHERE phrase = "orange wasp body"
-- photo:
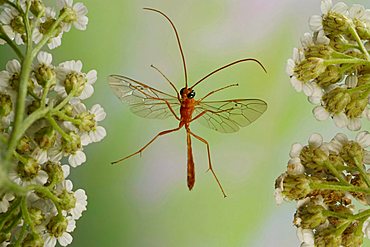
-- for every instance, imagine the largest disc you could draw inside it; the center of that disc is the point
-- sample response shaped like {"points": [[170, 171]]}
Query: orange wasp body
{"points": [[224, 116]]}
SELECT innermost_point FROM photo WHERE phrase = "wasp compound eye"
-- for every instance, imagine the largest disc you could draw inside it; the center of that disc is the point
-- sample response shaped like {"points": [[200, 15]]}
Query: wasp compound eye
{"points": [[191, 94]]}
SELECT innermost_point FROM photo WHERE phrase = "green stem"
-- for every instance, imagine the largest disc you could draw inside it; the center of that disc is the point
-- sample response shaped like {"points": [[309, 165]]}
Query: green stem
{"points": [[359, 41], [67, 118], [335, 172], [56, 126], [5, 217], [21, 236], [363, 173], [359, 88], [20, 157], [26, 214], [64, 102], [330, 186], [46, 192], [346, 61]]}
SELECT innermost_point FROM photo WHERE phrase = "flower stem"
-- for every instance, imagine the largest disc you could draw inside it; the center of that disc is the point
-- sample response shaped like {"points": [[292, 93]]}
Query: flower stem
{"points": [[346, 61], [26, 215], [58, 128], [335, 172], [21, 236], [363, 174], [339, 187], [359, 41]]}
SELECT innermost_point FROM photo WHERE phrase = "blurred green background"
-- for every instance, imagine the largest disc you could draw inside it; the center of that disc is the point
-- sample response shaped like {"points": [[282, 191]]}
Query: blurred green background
{"points": [[145, 202]]}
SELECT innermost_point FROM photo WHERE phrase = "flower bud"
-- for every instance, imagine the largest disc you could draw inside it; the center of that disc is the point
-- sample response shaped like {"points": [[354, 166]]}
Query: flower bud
{"points": [[75, 81], [29, 170], [330, 76], [309, 69], [33, 240], [17, 24], [362, 29], [327, 237], [55, 173], [72, 145], [37, 8], [6, 105], [24, 145], [67, 200], [336, 100], [351, 151], [312, 159], [296, 187], [45, 75], [35, 104], [310, 215], [339, 43], [356, 106], [335, 23], [70, 16], [45, 137], [37, 216], [87, 121], [57, 226], [318, 51]]}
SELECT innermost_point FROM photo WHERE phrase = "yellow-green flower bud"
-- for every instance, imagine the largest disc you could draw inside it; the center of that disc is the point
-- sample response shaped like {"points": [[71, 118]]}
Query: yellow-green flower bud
{"points": [[87, 121], [353, 235], [72, 145], [71, 15], [57, 226], [24, 145], [327, 237], [45, 75], [75, 81], [312, 159], [339, 43], [336, 100], [363, 79], [29, 170], [37, 216], [45, 137], [309, 69], [296, 187], [330, 76], [356, 106], [310, 215], [362, 29], [335, 23], [351, 151], [17, 24], [319, 50], [6, 105], [33, 240], [37, 8], [55, 173], [67, 200]]}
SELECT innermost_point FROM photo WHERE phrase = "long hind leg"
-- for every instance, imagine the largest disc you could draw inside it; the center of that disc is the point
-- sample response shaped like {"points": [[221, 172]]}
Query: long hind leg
{"points": [[209, 161], [150, 142]]}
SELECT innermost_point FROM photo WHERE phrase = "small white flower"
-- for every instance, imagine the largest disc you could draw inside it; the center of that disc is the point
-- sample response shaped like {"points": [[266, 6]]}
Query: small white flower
{"points": [[351, 81], [340, 120], [315, 21], [336, 144], [306, 237], [65, 239], [81, 203], [77, 158], [38, 33], [357, 11], [279, 187], [366, 228], [6, 18], [7, 77], [79, 18], [354, 124], [315, 140], [4, 203], [75, 67], [298, 85], [320, 113]]}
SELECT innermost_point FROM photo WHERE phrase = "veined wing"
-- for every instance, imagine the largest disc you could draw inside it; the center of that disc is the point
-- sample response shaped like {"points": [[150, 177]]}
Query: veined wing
{"points": [[144, 101], [228, 116]]}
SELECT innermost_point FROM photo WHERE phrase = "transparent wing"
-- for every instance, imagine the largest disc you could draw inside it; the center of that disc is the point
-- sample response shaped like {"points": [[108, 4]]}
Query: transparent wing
{"points": [[143, 100], [229, 115]]}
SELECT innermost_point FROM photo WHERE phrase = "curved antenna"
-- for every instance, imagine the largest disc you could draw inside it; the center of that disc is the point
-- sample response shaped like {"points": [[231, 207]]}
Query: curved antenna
{"points": [[178, 42], [228, 65], [168, 80]]}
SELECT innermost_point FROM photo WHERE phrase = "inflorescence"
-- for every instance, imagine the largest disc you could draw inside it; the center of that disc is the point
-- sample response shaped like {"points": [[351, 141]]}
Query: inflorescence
{"points": [[330, 181], [44, 124]]}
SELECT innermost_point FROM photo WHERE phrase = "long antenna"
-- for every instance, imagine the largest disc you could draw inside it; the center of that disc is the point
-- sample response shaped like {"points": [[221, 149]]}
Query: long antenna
{"points": [[178, 42], [228, 65]]}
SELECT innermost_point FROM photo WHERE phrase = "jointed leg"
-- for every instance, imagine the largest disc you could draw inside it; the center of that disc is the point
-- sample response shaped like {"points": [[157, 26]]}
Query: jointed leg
{"points": [[146, 145], [209, 160]]}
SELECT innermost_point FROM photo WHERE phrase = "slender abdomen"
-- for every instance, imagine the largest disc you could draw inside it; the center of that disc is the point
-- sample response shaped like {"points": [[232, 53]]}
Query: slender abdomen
{"points": [[191, 171]]}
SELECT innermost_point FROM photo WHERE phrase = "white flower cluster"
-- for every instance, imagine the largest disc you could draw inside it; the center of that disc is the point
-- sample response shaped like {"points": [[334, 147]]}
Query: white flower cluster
{"points": [[51, 125], [314, 172], [331, 66]]}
